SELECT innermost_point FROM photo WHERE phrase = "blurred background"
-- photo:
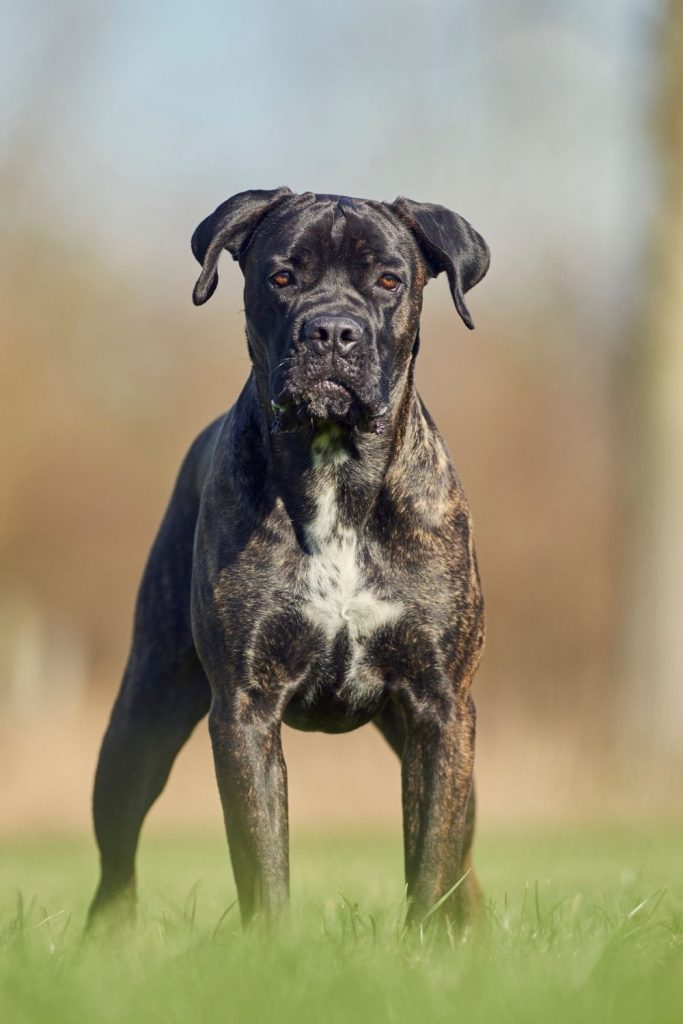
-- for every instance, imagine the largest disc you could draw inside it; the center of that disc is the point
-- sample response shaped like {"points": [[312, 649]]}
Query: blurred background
{"points": [[556, 129]]}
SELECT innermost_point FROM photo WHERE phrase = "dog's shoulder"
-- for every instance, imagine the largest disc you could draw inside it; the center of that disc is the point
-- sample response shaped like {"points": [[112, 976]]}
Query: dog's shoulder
{"points": [[195, 465], [231, 467]]}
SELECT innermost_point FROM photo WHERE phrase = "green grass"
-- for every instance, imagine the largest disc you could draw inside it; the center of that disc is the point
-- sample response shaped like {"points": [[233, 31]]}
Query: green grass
{"points": [[581, 925]]}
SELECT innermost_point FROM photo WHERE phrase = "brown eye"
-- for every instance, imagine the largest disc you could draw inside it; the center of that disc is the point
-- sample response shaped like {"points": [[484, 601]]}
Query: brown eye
{"points": [[389, 281], [282, 278]]}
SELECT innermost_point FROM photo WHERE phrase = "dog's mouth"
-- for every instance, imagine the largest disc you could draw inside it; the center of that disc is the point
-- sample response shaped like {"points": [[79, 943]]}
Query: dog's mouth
{"points": [[325, 400], [329, 399]]}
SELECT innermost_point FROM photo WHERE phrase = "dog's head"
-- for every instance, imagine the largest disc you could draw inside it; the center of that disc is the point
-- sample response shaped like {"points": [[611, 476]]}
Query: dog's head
{"points": [[333, 293]]}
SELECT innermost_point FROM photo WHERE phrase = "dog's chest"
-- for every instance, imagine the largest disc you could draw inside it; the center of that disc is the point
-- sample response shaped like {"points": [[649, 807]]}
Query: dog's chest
{"points": [[337, 594]]}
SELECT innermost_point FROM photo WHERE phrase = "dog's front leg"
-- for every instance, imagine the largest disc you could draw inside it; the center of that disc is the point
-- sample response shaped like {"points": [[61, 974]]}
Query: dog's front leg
{"points": [[437, 768], [252, 780]]}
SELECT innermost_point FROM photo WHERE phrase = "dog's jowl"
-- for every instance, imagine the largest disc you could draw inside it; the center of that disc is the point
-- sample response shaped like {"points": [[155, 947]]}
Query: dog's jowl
{"points": [[315, 565]]}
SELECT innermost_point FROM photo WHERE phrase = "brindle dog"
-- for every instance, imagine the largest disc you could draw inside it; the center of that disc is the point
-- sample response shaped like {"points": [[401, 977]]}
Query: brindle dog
{"points": [[315, 565]]}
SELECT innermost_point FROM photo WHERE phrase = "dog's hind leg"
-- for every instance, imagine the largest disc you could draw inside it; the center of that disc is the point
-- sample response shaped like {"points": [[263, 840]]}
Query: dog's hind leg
{"points": [[163, 695], [151, 721]]}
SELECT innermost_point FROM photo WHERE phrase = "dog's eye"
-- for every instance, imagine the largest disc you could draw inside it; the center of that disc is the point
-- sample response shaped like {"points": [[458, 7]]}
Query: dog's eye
{"points": [[389, 281], [282, 278]]}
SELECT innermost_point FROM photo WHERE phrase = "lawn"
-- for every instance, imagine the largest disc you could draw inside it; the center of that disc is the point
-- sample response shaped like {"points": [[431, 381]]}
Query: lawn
{"points": [[581, 925]]}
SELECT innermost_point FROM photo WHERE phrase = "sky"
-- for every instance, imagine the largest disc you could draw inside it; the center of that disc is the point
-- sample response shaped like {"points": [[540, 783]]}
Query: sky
{"points": [[133, 120]]}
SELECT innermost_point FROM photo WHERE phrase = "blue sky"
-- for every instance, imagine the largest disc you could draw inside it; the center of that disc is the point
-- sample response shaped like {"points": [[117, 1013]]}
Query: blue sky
{"points": [[527, 117]]}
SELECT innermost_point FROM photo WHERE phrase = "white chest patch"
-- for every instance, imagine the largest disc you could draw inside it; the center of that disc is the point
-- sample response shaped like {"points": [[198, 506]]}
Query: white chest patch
{"points": [[336, 595]]}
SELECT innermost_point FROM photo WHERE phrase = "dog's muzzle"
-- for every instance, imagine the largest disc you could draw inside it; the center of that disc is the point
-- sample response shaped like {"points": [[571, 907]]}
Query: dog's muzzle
{"points": [[331, 375]]}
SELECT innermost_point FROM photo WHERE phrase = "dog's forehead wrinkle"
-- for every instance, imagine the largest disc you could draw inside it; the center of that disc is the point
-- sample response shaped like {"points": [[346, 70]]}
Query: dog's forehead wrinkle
{"points": [[340, 201], [324, 230]]}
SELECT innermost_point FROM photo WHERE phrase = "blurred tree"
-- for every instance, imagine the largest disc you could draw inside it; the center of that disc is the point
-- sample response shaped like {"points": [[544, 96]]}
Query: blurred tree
{"points": [[655, 618]]}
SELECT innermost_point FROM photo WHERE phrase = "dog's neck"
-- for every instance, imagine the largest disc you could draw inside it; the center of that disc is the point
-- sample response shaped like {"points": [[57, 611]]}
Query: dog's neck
{"points": [[330, 462]]}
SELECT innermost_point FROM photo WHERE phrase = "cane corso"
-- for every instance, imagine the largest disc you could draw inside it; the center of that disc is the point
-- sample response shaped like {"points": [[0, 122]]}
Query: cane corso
{"points": [[315, 565]]}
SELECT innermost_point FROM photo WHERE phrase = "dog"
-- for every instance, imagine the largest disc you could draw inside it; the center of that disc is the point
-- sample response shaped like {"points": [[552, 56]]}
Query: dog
{"points": [[315, 565]]}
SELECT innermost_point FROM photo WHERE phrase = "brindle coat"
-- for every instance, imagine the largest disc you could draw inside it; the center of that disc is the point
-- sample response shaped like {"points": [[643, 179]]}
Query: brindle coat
{"points": [[315, 565]]}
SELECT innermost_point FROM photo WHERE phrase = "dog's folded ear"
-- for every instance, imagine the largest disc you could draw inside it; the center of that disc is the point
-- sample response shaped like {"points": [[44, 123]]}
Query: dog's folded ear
{"points": [[230, 227], [448, 243]]}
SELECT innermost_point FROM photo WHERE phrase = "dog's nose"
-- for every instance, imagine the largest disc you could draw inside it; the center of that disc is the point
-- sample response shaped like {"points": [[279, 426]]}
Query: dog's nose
{"points": [[340, 333]]}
